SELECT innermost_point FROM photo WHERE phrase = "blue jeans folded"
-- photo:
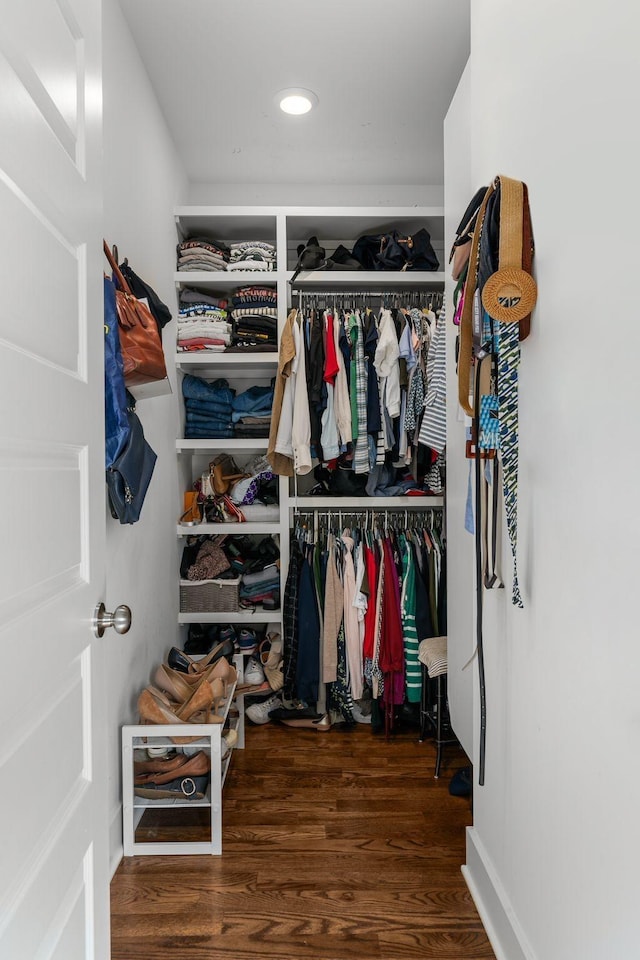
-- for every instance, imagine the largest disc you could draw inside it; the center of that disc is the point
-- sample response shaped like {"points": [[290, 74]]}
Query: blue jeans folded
{"points": [[254, 398], [207, 406], [198, 389], [213, 426], [238, 415], [197, 433]]}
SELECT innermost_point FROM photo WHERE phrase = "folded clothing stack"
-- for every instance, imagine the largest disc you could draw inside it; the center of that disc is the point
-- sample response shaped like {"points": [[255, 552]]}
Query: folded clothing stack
{"points": [[251, 415], [202, 323], [261, 585], [208, 408], [255, 318], [252, 255], [202, 253]]}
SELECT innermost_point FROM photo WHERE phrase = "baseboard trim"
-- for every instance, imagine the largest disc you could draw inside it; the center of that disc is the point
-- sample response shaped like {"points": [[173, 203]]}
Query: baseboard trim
{"points": [[116, 849], [503, 930]]}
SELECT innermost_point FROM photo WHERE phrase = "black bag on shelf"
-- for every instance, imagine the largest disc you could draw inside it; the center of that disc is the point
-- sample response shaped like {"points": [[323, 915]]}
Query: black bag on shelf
{"points": [[396, 251]]}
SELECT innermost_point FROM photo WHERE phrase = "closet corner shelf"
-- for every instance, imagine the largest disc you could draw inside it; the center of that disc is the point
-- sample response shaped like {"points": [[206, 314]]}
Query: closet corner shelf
{"points": [[206, 529], [385, 279], [379, 503], [226, 443], [239, 616]]}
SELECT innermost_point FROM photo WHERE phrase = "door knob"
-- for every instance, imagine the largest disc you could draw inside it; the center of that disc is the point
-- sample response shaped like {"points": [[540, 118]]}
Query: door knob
{"points": [[120, 619]]}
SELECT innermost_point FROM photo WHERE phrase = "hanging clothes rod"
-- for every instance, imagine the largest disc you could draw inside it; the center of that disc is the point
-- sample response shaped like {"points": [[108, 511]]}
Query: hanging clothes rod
{"points": [[350, 298], [426, 294], [351, 511], [371, 515]]}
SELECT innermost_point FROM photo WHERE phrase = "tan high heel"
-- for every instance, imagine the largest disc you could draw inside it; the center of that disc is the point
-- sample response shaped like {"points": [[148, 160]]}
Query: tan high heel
{"points": [[199, 666], [218, 694], [223, 670], [154, 710], [173, 683], [200, 700], [220, 670]]}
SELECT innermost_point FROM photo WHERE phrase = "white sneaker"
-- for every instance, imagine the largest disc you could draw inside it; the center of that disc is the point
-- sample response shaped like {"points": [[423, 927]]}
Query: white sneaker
{"points": [[253, 672], [259, 712]]}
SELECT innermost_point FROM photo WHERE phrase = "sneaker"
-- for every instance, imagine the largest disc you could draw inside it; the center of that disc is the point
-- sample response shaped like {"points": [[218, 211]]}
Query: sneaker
{"points": [[253, 672], [259, 712], [228, 633], [247, 641]]}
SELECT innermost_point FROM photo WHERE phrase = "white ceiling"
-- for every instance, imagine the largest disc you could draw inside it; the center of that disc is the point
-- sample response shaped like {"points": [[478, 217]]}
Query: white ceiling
{"points": [[384, 72]]}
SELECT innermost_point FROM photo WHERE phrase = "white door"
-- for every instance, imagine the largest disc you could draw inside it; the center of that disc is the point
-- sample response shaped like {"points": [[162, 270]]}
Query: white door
{"points": [[53, 823]]}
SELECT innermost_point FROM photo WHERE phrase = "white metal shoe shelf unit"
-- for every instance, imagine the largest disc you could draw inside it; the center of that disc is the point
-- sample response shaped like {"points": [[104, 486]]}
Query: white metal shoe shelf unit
{"points": [[208, 738]]}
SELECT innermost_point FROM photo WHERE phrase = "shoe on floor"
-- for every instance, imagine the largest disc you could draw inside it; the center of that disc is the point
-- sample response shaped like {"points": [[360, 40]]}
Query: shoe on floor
{"points": [[253, 672], [259, 712], [323, 724]]}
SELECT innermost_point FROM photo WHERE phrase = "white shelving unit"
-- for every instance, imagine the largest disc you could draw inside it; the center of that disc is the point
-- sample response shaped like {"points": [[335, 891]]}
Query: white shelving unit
{"points": [[287, 227]]}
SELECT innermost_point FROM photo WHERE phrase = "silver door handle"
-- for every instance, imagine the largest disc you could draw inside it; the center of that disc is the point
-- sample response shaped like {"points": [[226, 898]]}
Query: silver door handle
{"points": [[120, 619]]}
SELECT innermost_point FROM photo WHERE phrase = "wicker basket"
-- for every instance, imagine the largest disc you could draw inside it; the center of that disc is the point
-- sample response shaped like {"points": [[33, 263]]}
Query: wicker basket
{"points": [[209, 596]]}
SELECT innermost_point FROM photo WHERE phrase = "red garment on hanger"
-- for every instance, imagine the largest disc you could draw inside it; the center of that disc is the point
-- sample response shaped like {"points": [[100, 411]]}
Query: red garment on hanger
{"points": [[330, 359], [372, 567], [391, 642]]}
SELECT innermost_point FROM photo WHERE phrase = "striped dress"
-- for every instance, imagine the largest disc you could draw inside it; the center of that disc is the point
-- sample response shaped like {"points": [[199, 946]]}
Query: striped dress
{"points": [[433, 432], [413, 670]]}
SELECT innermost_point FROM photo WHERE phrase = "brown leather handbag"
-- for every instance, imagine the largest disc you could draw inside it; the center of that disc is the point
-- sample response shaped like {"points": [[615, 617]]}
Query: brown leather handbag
{"points": [[140, 344], [224, 472]]}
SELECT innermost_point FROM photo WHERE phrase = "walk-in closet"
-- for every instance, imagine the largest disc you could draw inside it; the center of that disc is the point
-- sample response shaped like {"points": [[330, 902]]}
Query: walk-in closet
{"points": [[321, 626]]}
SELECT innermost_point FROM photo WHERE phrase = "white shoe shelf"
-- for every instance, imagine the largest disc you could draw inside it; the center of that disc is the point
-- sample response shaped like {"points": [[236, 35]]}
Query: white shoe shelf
{"points": [[207, 737]]}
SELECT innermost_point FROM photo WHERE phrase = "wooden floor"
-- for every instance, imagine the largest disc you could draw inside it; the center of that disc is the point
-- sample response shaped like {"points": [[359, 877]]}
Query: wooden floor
{"points": [[337, 846]]}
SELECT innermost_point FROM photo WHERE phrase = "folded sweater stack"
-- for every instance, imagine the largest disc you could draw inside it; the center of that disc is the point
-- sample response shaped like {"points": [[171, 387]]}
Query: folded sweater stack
{"points": [[255, 318], [252, 255], [202, 323], [201, 253]]}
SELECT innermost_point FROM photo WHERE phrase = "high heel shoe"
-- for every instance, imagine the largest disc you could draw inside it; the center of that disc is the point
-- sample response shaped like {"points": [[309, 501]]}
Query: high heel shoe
{"points": [[222, 670], [153, 710], [200, 701], [223, 649], [173, 683], [218, 695]]}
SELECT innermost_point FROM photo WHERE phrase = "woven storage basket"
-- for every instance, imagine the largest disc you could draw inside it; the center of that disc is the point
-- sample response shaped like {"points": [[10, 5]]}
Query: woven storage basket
{"points": [[209, 596]]}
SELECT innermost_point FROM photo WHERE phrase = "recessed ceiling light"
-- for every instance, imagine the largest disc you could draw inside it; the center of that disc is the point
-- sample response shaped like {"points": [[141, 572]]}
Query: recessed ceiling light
{"points": [[296, 100]]}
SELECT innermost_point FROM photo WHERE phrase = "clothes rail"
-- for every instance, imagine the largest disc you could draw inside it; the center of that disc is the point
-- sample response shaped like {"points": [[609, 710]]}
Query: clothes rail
{"points": [[348, 298], [372, 517]]}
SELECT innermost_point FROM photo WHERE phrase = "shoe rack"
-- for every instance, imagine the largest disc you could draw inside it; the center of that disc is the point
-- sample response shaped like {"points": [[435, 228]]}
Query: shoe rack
{"points": [[179, 825]]}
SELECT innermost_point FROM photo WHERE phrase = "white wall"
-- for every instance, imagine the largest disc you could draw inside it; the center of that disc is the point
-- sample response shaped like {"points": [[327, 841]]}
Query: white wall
{"points": [[143, 180], [553, 852], [458, 190], [315, 194]]}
